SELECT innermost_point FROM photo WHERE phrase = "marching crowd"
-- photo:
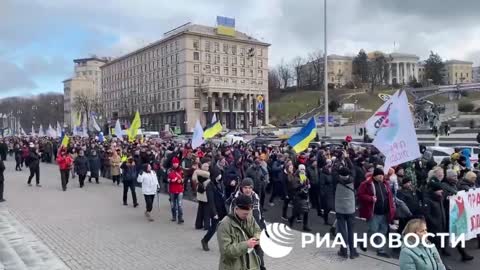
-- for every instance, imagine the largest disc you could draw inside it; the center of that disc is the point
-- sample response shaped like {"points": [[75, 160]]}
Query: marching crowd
{"points": [[235, 184]]}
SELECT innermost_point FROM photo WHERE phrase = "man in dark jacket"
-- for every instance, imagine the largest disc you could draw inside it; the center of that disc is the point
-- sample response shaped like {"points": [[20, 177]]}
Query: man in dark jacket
{"points": [[33, 161], [129, 179], [276, 179], [2, 180], [435, 212], [216, 202], [94, 165], [81, 167], [313, 176], [409, 196], [327, 191], [3, 150], [258, 174], [233, 174]]}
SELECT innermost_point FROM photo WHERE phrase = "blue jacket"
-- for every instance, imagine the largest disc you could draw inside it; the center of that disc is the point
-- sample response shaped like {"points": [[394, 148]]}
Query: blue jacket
{"points": [[420, 258]]}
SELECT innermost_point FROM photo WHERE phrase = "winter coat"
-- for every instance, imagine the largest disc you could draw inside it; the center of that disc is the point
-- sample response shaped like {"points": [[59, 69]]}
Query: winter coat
{"points": [[465, 185], [313, 175], [359, 176], [2, 169], [327, 189], [232, 242], [149, 183], [94, 165], [420, 258], [130, 173], [115, 162], [411, 199], [276, 171], [344, 195], [366, 192], [257, 174], [202, 179], [435, 213], [216, 199], [33, 159], [287, 184], [175, 186], [300, 199], [64, 162], [81, 165]]}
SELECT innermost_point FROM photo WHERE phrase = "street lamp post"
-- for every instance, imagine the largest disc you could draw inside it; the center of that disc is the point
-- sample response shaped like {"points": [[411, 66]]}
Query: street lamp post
{"points": [[325, 62]]}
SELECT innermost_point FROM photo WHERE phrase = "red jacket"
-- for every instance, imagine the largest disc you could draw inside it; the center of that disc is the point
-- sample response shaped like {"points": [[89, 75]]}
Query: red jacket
{"points": [[366, 191], [174, 175], [64, 162]]}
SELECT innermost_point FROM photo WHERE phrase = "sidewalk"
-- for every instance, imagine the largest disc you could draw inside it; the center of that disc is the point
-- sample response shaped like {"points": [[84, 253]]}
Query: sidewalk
{"points": [[89, 228]]}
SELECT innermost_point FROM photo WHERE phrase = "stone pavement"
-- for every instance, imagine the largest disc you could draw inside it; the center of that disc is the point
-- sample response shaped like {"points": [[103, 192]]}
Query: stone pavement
{"points": [[89, 228]]}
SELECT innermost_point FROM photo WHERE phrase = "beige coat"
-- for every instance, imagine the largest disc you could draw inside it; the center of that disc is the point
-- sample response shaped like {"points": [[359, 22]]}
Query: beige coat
{"points": [[201, 196], [116, 161]]}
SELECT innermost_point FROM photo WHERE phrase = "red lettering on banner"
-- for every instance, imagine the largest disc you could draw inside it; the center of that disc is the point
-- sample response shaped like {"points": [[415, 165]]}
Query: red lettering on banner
{"points": [[474, 200], [475, 221]]}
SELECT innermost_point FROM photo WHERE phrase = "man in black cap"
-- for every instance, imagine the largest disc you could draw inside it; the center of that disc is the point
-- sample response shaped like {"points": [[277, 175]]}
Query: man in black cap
{"points": [[409, 196], [238, 237], [246, 188]]}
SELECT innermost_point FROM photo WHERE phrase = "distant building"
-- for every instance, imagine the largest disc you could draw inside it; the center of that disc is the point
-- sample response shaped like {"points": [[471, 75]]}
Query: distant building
{"points": [[86, 79], [476, 74], [191, 73], [456, 72], [339, 71], [422, 78], [402, 68]]}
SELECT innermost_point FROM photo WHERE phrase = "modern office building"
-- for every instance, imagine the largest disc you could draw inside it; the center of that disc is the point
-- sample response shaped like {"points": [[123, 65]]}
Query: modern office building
{"points": [[191, 73]]}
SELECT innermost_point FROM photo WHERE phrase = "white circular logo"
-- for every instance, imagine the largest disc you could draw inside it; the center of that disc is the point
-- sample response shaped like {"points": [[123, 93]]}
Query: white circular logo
{"points": [[276, 240]]}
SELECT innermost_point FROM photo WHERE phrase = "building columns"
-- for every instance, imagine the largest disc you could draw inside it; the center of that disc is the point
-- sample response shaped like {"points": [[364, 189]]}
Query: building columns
{"points": [[405, 70], [220, 108], [254, 112], [390, 73], [232, 116], [398, 72], [246, 121], [415, 67], [209, 108]]}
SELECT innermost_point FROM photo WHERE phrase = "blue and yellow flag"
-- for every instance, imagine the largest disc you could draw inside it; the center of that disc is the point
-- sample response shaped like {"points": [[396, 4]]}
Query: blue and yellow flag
{"points": [[65, 141], [213, 130], [300, 140]]}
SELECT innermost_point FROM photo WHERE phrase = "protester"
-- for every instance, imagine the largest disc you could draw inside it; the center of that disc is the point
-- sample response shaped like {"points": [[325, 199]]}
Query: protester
{"points": [[150, 186], [65, 162], [2, 180], [176, 188], [201, 178], [94, 165], [116, 161], [33, 161], [420, 257], [81, 167], [130, 175]]}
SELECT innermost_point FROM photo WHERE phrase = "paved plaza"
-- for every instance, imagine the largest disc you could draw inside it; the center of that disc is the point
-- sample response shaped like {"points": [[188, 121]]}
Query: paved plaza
{"points": [[89, 228]]}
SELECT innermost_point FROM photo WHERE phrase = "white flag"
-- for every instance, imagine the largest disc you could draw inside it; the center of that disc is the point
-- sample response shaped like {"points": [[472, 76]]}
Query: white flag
{"points": [[22, 131], [214, 118], [33, 131], [59, 130], [40, 131], [197, 139], [95, 124], [374, 122], [396, 137], [118, 130]]}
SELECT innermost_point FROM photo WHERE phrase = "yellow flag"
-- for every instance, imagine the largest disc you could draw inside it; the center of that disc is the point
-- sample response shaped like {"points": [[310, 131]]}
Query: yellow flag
{"points": [[213, 130], [78, 121], [133, 130], [65, 141]]}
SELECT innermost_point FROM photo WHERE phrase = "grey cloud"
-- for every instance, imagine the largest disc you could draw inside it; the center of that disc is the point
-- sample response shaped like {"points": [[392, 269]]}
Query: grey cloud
{"points": [[14, 78]]}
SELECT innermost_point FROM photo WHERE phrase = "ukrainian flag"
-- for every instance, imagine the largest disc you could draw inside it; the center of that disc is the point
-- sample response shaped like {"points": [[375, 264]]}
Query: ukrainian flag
{"points": [[300, 140], [65, 141], [225, 26], [213, 130], [133, 130]]}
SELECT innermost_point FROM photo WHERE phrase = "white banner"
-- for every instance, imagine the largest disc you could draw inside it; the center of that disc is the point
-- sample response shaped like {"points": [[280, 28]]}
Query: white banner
{"points": [[465, 213], [374, 122], [396, 137], [197, 139]]}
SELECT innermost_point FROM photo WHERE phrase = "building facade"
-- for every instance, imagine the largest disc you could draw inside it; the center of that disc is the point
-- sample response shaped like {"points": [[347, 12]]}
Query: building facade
{"points": [[190, 74], [86, 79], [457, 72], [339, 71], [402, 68], [476, 74]]}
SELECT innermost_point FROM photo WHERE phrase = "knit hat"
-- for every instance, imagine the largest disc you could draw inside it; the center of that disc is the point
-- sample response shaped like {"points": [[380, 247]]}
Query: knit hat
{"points": [[246, 182], [244, 202], [175, 160], [378, 171], [344, 171]]}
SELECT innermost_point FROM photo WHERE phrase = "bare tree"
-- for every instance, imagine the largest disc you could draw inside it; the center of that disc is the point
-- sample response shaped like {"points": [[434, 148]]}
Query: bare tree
{"points": [[316, 60], [377, 70], [298, 64], [285, 73], [85, 104], [273, 81]]}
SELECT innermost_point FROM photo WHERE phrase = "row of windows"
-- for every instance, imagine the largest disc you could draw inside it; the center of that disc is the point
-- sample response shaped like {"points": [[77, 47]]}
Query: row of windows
{"points": [[150, 84], [158, 66], [153, 108], [164, 95], [226, 71], [159, 51], [209, 46], [216, 60], [196, 80]]}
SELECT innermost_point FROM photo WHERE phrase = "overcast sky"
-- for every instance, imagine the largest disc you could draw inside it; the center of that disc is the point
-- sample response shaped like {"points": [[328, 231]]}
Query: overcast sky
{"points": [[39, 38]]}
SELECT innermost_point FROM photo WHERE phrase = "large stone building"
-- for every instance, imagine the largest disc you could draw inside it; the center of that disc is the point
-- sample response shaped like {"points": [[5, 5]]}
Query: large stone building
{"points": [[457, 72], [476, 74], [402, 68], [339, 71], [86, 79], [188, 75]]}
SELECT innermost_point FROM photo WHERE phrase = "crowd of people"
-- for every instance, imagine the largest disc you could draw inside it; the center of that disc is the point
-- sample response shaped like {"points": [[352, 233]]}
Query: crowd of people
{"points": [[234, 185]]}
